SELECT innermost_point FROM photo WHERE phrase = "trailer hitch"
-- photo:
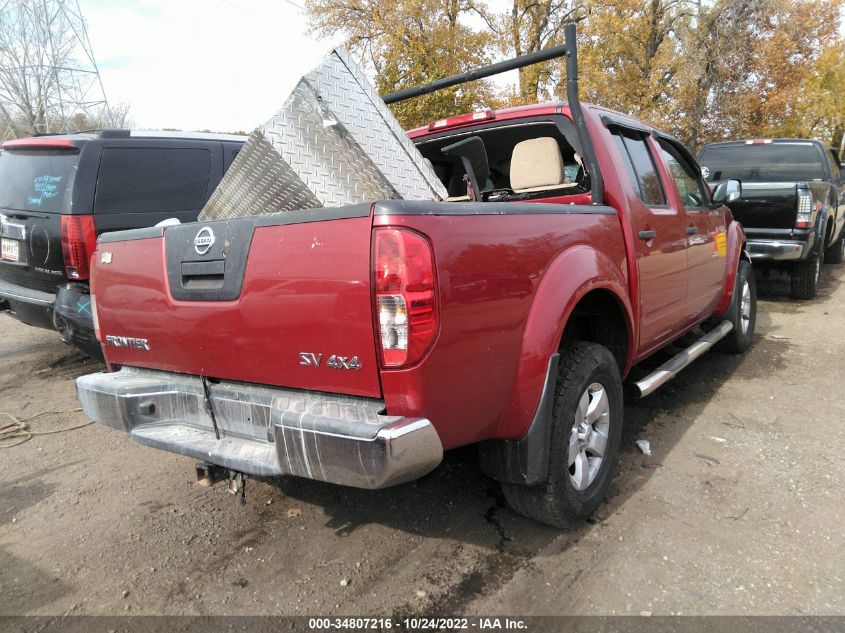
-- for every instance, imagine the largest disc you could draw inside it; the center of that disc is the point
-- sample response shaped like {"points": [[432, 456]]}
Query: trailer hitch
{"points": [[237, 485], [210, 474]]}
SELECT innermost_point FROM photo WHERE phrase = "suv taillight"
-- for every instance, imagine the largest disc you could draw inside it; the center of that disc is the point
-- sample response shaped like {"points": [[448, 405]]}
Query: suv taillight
{"points": [[79, 240], [405, 295]]}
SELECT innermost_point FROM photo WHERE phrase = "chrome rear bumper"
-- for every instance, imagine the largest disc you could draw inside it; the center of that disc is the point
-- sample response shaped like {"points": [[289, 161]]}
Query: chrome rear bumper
{"points": [[264, 431], [775, 250]]}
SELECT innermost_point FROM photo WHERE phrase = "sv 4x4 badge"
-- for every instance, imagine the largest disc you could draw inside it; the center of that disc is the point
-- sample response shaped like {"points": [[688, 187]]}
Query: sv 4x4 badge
{"points": [[307, 359]]}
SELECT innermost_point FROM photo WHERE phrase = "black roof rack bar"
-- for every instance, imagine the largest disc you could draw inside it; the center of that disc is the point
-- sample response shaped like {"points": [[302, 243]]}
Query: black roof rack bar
{"points": [[477, 73], [569, 49]]}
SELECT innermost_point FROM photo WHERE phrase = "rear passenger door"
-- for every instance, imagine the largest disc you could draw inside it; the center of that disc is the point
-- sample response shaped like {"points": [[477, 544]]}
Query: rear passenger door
{"points": [[660, 242], [704, 227], [141, 184]]}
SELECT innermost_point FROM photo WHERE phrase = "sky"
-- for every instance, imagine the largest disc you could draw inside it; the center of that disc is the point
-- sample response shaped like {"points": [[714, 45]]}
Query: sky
{"points": [[221, 65]]}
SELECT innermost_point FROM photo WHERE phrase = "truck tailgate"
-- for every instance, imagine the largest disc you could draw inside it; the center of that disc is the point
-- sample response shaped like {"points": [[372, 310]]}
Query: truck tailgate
{"points": [[278, 300], [766, 205]]}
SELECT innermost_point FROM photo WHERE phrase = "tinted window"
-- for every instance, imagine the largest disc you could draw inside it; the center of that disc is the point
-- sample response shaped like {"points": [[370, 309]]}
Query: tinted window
{"points": [[626, 160], [640, 166], [141, 180], [690, 187], [37, 180], [771, 162]]}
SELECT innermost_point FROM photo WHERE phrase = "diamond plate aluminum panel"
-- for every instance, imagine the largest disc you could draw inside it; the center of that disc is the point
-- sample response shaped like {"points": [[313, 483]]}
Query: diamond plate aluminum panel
{"points": [[324, 155], [332, 143], [348, 94], [258, 181]]}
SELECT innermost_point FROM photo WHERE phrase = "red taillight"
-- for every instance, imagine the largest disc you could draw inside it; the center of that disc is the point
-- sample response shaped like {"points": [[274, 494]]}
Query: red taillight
{"points": [[79, 240], [405, 295], [39, 142]]}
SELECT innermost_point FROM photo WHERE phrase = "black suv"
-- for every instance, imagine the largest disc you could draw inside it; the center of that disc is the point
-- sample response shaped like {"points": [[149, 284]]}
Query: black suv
{"points": [[59, 192], [792, 206]]}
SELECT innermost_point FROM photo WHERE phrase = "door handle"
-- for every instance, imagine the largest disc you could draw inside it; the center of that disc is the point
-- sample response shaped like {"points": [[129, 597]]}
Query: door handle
{"points": [[648, 235], [692, 230]]}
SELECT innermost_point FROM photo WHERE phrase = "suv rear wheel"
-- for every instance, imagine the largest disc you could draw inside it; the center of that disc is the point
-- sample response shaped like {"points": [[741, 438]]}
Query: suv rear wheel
{"points": [[584, 440], [804, 277]]}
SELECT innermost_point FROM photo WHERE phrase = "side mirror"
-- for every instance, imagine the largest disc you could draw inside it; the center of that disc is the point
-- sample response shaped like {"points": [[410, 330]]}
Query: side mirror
{"points": [[473, 156], [727, 191]]}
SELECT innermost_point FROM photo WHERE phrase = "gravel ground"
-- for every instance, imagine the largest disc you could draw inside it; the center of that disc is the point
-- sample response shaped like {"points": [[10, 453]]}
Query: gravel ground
{"points": [[738, 510]]}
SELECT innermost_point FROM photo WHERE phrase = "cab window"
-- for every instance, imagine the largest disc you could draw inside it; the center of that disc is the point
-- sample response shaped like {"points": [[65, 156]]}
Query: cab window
{"points": [[692, 190], [639, 164]]}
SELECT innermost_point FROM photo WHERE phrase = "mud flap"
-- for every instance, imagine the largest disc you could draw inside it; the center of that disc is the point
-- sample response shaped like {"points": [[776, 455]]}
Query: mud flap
{"points": [[525, 461]]}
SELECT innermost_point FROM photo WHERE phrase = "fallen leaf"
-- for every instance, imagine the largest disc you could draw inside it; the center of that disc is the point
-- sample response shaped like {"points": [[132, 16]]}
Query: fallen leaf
{"points": [[294, 512]]}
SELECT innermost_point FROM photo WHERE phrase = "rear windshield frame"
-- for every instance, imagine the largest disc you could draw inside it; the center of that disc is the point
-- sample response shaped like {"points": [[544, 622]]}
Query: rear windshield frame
{"points": [[753, 169]]}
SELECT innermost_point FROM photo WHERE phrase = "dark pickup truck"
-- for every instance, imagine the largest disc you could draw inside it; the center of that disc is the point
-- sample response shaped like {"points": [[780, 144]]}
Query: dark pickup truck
{"points": [[792, 205], [354, 344]]}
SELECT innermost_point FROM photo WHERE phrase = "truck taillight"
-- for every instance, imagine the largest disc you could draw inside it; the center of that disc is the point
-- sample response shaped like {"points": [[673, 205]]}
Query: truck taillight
{"points": [[95, 318], [79, 239], [405, 295], [804, 217]]}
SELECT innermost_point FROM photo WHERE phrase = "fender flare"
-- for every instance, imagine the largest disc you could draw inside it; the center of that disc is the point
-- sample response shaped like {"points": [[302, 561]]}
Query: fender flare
{"points": [[821, 227], [735, 252], [521, 457]]}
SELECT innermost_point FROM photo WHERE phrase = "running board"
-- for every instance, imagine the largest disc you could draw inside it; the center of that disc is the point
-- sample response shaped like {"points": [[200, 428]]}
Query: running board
{"points": [[674, 365]]}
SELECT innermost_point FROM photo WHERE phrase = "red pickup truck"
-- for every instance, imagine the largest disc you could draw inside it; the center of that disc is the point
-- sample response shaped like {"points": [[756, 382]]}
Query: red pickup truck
{"points": [[353, 345]]}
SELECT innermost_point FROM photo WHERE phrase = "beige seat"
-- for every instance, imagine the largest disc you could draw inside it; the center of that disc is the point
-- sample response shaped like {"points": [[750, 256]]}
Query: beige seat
{"points": [[536, 165]]}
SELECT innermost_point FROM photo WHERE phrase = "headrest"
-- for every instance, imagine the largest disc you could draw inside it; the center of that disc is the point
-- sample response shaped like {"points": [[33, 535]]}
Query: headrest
{"points": [[536, 163]]}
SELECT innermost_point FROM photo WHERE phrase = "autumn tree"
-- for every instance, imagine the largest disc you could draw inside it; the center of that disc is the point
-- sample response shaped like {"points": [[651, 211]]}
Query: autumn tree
{"points": [[629, 55], [410, 42], [703, 70], [529, 26], [794, 69]]}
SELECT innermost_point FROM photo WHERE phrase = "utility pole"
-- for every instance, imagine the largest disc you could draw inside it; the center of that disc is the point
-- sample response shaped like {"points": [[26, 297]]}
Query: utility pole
{"points": [[49, 79]]}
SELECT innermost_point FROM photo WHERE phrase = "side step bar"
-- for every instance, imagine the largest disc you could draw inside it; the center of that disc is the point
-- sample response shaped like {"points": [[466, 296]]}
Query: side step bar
{"points": [[674, 365]]}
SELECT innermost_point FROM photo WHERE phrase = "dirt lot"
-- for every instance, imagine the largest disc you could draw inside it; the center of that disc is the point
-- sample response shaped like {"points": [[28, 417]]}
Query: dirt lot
{"points": [[743, 515]]}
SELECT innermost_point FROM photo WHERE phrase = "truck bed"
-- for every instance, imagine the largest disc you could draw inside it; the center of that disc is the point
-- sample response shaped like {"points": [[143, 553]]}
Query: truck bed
{"points": [[304, 286]]}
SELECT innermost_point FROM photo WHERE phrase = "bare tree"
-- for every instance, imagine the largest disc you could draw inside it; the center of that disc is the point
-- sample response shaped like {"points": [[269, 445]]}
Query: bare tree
{"points": [[48, 77]]}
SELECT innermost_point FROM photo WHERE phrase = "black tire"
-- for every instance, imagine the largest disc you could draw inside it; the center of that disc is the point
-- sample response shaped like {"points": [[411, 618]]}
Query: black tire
{"points": [[836, 253], [804, 276], [741, 337], [556, 501]]}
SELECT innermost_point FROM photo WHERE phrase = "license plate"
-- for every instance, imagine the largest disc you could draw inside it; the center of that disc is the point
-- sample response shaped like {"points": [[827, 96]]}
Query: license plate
{"points": [[9, 250]]}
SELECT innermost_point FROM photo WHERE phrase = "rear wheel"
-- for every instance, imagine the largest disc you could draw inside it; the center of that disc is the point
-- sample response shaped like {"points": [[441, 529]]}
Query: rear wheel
{"points": [[742, 311], [804, 277], [836, 253], [584, 439]]}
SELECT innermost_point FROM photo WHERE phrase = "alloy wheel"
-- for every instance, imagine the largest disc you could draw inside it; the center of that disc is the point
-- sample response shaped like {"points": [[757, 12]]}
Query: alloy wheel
{"points": [[588, 439], [745, 307]]}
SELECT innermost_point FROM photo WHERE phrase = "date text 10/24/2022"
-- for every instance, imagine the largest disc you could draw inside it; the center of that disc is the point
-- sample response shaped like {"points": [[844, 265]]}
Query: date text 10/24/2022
{"points": [[419, 623]]}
